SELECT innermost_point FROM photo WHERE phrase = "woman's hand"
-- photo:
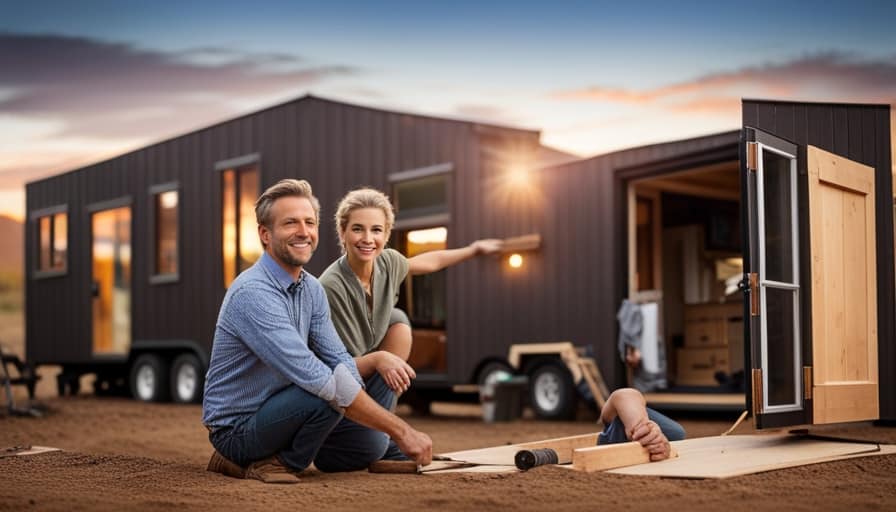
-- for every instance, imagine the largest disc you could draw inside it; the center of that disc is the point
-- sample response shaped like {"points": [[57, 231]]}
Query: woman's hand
{"points": [[395, 371]]}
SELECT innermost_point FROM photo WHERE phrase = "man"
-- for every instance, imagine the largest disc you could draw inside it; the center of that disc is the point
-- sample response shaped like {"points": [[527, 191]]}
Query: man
{"points": [[280, 380]]}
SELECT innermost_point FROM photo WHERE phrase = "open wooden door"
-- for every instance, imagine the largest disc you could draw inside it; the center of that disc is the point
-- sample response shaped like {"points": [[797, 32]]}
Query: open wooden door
{"points": [[813, 345], [844, 289]]}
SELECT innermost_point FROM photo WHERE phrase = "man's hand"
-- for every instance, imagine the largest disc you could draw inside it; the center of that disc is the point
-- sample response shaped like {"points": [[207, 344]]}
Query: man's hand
{"points": [[416, 445], [650, 436], [395, 371], [632, 356], [487, 246]]}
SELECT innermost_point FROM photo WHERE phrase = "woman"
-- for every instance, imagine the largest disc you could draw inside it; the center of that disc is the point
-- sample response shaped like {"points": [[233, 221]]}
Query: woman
{"points": [[362, 285]]}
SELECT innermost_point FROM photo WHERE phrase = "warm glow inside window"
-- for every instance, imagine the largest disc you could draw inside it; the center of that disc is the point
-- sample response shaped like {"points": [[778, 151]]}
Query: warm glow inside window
{"points": [[52, 238], [166, 214], [241, 247]]}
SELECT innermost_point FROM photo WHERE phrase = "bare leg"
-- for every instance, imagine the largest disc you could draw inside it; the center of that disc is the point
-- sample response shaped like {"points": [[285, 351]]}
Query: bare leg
{"points": [[398, 340]]}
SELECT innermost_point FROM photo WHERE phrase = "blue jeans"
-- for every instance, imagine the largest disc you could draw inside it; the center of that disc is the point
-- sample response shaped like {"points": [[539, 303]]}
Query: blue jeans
{"points": [[615, 431], [351, 446], [301, 428]]}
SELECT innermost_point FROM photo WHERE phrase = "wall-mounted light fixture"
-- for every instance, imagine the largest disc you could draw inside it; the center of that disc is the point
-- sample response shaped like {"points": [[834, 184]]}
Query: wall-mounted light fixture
{"points": [[515, 246]]}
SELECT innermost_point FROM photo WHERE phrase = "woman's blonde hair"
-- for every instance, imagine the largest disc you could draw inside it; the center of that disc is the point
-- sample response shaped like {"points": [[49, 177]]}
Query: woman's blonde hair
{"points": [[363, 198]]}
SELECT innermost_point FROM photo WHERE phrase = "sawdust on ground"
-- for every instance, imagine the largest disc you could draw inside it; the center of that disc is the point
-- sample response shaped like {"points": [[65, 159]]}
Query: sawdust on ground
{"points": [[123, 455]]}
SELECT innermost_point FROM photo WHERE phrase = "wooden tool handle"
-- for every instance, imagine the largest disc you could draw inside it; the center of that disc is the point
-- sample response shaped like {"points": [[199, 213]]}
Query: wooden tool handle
{"points": [[394, 466]]}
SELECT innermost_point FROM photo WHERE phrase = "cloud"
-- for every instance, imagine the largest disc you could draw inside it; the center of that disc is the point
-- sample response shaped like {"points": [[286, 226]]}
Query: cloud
{"points": [[831, 76], [116, 90], [487, 114]]}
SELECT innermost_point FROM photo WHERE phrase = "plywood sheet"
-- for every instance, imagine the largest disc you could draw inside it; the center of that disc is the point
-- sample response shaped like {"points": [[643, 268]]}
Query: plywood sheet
{"points": [[727, 456]]}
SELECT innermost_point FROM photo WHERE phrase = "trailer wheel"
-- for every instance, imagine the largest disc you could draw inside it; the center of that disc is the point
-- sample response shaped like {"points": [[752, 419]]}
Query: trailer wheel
{"points": [[494, 372], [149, 378], [186, 379], [551, 391]]}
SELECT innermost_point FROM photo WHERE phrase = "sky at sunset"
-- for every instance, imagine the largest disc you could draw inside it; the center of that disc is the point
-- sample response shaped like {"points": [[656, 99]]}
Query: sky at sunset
{"points": [[83, 81]]}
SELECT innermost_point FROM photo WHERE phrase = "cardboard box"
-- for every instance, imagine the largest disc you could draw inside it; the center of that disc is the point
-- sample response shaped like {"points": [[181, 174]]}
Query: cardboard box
{"points": [[698, 366], [708, 325], [704, 333]]}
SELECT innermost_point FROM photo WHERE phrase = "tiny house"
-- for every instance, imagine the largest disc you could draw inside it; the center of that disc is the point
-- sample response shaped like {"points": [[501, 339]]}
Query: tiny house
{"points": [[128, 259]]}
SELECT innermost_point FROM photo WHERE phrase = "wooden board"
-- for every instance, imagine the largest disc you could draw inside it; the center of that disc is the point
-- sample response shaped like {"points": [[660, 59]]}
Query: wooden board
{"points": [[728, 456], [503, 455], [600, 458]]}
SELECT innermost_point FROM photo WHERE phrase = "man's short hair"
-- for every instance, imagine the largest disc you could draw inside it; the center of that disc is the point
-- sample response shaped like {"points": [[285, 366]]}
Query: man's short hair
{"points": [[283, 188]]}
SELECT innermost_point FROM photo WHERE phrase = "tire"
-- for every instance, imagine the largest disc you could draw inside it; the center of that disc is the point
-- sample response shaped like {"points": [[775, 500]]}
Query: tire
{"points": [[493, 372], [149, 379], [552, 393], [187, 379]]}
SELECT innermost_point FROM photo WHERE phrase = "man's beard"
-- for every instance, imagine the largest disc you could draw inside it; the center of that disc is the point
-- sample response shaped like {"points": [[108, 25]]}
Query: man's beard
{"points": [[282, 252]]}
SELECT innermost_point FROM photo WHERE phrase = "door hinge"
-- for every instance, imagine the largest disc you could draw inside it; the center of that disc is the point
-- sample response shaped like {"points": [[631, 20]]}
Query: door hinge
{"points": [[754, 294], [807, 382], [752, 156], [757, 391]]}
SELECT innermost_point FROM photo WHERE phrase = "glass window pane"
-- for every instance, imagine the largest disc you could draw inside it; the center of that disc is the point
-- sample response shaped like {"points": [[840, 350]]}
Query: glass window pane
{"points": [[778, 218], [43, 230], [250, 246], [166, 232], [427, 292], [111, 252], [423, 196], [780, 345], [228, 225], [60, 240]]}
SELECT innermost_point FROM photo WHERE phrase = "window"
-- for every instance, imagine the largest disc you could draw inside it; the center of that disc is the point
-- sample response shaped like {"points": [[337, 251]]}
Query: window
{"points": [[241, 247], [425, 294], [421, 225], [52, 237], [165, 221], [422, 197]]}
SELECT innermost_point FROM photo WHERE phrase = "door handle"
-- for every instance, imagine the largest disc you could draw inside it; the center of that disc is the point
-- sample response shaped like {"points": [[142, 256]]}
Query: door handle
{"points": [[95, 289]]}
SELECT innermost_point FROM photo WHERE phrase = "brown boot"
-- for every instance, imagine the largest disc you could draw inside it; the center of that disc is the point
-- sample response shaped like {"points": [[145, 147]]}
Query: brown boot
{"points": [[271, 471], [219, 464]]}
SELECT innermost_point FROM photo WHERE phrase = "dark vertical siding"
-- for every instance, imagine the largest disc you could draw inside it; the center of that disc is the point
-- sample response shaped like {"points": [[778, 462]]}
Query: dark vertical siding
{"points": [[860, 133], [336, 147]]}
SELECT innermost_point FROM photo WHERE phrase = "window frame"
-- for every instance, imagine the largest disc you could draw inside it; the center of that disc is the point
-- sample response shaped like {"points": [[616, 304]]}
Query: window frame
{"points": [[35, 217], [238, 165], [404, 222], [154, 192]]}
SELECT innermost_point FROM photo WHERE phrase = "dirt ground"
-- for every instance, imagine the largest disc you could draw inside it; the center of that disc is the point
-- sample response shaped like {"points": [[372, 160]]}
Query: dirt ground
{"points": [[123, 455]]}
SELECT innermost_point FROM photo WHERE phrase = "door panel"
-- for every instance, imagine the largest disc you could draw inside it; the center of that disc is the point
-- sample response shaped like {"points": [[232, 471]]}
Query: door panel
{"points": [[772, 281], [844, 289]]}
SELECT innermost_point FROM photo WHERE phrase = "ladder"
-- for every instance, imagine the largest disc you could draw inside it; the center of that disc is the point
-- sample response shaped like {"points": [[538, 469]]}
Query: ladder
{"points": [[591, 374]]}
